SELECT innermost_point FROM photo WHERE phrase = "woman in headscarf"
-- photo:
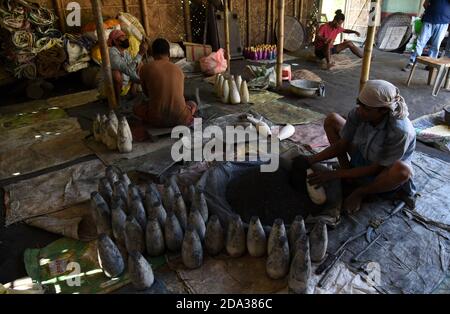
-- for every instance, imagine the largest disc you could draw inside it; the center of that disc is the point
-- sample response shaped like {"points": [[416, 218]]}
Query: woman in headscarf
{"points": [[380, 140]]}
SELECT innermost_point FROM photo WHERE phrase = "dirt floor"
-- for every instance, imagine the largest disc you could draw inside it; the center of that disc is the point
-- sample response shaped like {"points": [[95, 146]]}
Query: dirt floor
{"points": [[341, 93]]}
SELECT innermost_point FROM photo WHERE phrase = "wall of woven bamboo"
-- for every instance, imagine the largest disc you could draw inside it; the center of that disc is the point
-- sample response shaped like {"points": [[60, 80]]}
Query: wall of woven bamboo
{"points": [[166, 17]]}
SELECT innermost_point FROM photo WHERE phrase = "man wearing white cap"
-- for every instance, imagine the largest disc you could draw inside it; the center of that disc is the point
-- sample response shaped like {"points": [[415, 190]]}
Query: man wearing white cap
{"points": [[380, 140]]}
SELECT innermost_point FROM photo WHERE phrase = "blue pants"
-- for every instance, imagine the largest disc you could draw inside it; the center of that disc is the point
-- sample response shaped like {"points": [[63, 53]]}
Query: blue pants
{"points": [[447, 48], [434, 31]]}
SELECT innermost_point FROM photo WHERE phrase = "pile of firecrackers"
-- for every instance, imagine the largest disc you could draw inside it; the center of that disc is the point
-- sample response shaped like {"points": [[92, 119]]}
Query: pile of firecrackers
{"points": [[261, 52]]}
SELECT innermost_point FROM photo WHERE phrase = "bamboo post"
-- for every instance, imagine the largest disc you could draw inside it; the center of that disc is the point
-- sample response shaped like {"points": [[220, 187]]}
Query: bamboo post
{"points": [[230, 5], [227, 36], [104, 51], [300, 10], [187, 20], [126, 6], [274, 13], [247, 14], [295, 3], [267, 20], [144, 10], [368, 48], [280, 44], [61, 17]]}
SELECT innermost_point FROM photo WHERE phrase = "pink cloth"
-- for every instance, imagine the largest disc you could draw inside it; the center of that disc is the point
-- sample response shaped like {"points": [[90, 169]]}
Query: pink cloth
{"points": [[115, 34]]}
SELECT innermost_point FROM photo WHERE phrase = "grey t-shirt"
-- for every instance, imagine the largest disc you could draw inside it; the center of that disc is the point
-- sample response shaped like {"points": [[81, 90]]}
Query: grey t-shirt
{"points": [[391, 140]]}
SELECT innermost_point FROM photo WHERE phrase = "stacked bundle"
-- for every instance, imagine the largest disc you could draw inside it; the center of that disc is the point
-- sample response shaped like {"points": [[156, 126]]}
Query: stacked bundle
{"points": [[261, 52], [29, 32]]}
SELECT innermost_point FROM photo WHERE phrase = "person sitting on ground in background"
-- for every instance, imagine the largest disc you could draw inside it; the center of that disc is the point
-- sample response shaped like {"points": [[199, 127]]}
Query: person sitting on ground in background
{"points": [[435, 23], [125, 69], [163, 84], [326, 35], [380, 140]]}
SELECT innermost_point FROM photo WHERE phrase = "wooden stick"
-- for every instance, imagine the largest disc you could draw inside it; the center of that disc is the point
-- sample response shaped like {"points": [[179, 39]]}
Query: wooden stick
{"points": [[247, 15], [274, 14], [126, 6], [300, 10], [368, 48], [230, 3], [295, 2], [227, 36], [187, 20], [104, 51], [144, 9], [61, 17], [267, 21], [280, 44]]}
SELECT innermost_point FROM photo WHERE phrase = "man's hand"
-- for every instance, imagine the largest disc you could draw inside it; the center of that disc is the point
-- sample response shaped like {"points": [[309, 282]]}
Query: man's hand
{"points": [[143, 48], [357, 34], [321, 177]]}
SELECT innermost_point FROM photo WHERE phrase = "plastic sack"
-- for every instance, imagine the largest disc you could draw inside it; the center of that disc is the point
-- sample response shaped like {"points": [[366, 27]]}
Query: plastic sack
{"points": [[213, 64]]}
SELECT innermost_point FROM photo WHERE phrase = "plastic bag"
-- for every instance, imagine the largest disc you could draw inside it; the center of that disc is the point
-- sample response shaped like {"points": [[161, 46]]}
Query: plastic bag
{"points": [[214, 63]]}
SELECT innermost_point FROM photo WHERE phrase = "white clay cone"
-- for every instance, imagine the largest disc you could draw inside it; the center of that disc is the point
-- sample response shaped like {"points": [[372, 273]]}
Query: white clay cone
{"points": [[235, 98], [226, 92], [286, 132], [316, 194], [245, 96]]}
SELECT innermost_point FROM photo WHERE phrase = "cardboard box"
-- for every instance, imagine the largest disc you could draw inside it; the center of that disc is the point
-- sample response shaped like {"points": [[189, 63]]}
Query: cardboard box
{"points": [[196, 51]]}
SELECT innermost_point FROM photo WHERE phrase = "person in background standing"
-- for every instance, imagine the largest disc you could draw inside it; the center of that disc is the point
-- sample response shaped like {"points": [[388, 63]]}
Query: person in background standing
{"points": [[435, 23]]}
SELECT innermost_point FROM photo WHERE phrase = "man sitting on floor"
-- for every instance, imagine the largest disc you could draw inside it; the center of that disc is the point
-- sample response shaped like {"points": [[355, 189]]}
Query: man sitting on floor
{"points": [[125, 69], [163, 84], [326, 35], [380, 140]]}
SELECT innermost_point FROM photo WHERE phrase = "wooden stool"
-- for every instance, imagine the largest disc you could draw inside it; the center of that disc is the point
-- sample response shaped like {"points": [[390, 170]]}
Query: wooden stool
{"points": [[439, 69]]}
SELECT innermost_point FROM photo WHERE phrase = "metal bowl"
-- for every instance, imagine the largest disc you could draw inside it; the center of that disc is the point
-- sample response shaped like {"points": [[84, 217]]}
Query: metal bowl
{"points": [[304, 87]]}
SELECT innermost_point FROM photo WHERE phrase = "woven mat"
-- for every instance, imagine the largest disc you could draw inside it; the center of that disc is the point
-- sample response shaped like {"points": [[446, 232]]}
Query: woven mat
{"points": [[282, 113]]}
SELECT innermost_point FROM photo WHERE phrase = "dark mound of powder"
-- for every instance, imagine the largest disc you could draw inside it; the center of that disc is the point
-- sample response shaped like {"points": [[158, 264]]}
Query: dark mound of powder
{"points": [[268, 195]]}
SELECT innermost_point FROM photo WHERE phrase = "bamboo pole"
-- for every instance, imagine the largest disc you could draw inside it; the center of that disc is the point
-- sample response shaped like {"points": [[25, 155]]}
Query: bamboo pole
{"points": [[187, 20], [300, 10], [280, 44], [368, 48], [227, 36], [267, 20], [61, 17], [126, 6], [144, 10], [274, 13], [295, 3], [104, 51], [230, 5], [247, 15]]}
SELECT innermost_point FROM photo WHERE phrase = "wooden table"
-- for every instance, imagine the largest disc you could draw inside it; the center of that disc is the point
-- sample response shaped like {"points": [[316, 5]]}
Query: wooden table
{"points": [[439, 69]]}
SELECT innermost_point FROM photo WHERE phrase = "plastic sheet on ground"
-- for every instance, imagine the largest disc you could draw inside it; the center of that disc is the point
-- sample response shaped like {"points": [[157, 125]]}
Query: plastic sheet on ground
{"points": [[52, 192], [41, 146], [414, 256], [74, 222], [226, 275], [110, 157], [432, 178], [432, 129]]}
